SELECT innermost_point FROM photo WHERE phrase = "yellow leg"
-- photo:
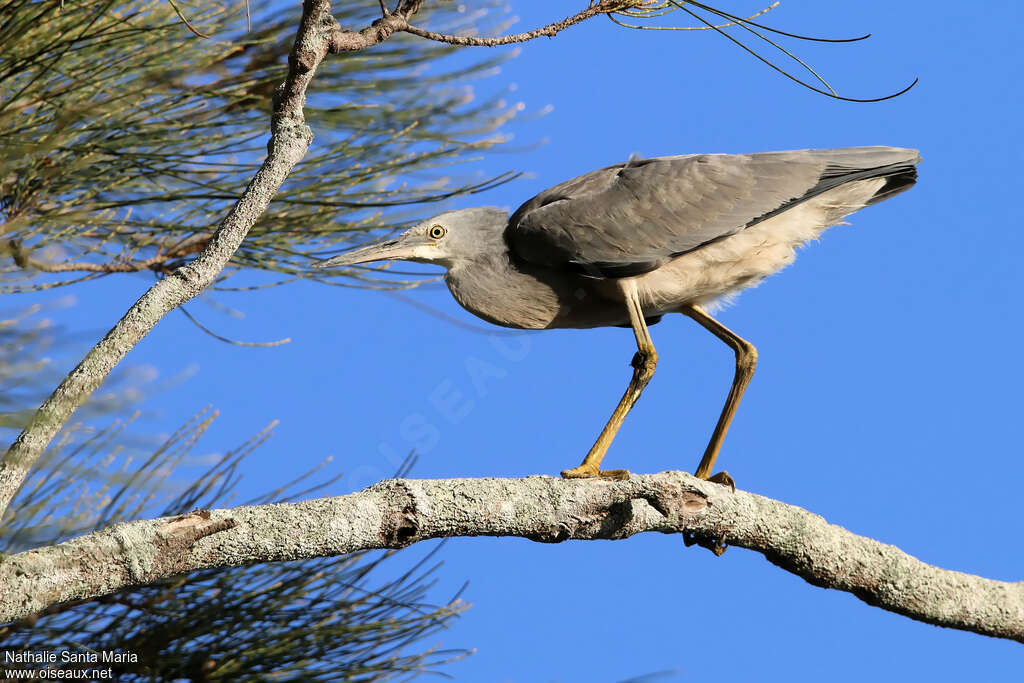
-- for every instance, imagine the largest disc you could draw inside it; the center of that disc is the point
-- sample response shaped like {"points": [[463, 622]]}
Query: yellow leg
{"points": [[644, 362], [746, 361]]}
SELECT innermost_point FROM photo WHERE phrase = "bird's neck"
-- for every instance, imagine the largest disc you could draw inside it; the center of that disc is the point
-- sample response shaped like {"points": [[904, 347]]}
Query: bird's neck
{"points": [[493, 288]]}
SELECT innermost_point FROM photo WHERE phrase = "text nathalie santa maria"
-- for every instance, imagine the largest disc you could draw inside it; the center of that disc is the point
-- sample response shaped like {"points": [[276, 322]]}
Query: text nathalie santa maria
{"points": [[69, 657]]}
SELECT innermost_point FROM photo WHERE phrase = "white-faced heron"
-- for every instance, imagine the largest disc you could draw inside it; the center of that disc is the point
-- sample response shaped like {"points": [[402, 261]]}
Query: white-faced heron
{"points": [[628, 243]]}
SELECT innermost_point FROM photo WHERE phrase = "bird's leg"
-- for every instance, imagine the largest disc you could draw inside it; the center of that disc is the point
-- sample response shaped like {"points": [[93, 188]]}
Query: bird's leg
{"points": [[644, 362], [746, 361]]}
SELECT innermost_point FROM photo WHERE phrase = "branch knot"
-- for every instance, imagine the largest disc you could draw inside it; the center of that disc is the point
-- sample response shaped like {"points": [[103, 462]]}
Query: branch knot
{"points": [[387, 25], [401, 526]]}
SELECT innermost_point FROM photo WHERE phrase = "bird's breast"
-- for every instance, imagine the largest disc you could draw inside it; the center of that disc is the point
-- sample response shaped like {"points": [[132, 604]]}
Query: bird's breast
{"points": [[496, 296], [532, 298]]}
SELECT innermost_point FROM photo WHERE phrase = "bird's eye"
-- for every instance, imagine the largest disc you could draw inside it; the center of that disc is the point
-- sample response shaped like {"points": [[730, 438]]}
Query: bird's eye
{"points": [[436, 232]]}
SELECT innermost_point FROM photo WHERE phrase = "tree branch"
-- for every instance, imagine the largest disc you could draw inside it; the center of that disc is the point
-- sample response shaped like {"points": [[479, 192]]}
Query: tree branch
{"points": [[317, 35], [550, 30], [399, 512], [158, 262]]}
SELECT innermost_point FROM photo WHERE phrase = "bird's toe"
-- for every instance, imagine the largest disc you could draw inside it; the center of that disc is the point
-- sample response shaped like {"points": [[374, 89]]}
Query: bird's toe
{"points": [[583, 472], [725, 479]]}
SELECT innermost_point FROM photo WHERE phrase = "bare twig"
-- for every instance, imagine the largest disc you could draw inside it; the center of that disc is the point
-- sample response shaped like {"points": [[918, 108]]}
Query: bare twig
{"points": [[233, 342], [645, 11], [399, 512], [550, 30], [681, 5], [185, 20], [157, 262]]}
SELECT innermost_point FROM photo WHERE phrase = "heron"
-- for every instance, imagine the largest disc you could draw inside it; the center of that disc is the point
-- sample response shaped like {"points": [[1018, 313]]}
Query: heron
{"points": [[626, 244]]}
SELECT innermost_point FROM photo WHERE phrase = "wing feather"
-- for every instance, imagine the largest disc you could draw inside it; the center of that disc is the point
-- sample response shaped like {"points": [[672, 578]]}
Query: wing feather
{"points": [[631, 218]]}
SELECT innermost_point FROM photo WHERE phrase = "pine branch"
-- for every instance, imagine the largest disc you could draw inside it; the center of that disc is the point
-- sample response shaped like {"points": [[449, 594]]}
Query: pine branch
{"points": [[399, 512], [290, 138], [343, 618], [100, 180]]}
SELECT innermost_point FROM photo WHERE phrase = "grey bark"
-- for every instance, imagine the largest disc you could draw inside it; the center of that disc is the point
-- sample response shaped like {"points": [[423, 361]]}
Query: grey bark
{"points": [[399, 512]]}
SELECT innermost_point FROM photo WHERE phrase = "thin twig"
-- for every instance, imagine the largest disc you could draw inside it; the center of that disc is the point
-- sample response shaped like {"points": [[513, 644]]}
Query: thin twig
{"points": [[550, 30], [639, 13], [782, 71], [798, 36], [185, 21], [190, 245], [233, 342]]}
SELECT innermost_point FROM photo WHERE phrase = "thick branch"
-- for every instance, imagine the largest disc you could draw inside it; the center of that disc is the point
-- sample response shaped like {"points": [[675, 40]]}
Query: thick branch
{"points": [[399, 512]]}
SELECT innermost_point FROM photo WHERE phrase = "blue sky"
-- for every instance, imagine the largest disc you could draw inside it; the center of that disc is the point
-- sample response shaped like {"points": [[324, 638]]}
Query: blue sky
{"points": [[886, 398]]}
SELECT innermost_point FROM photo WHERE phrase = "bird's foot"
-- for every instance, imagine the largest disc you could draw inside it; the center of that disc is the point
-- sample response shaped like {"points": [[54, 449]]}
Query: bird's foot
{"points": [[724, 479], [589, 472]]}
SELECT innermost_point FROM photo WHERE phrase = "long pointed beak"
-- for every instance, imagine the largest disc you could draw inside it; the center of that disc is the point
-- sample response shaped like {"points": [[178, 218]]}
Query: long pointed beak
{"points": [[400, 248]]}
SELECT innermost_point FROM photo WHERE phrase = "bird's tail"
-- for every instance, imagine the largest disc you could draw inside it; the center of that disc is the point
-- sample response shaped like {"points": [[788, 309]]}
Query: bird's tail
{"points": [[896, 164], [898, 178]]}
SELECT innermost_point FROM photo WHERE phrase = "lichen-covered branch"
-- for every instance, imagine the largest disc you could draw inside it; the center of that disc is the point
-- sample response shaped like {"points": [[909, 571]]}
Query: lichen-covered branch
{"points": [[399, 512], [290, 138]]}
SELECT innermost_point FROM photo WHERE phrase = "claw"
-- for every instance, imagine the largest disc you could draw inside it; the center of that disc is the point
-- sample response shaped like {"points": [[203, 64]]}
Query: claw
{"points": [[724, 479]]}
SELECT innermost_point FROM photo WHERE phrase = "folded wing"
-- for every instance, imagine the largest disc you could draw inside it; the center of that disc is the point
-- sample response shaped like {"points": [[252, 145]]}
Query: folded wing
{"points": [[631, 218]]}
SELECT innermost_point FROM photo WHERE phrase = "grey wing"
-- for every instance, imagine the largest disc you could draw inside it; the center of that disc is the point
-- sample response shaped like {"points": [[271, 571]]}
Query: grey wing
{"points": [[630, 218]]}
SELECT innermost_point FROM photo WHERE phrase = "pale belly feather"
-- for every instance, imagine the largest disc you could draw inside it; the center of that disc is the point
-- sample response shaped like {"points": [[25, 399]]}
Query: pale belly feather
{"points": [[729, 265]]}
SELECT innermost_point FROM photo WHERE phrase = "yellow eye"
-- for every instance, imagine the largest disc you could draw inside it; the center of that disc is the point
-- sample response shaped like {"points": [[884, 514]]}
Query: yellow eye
{"points": [[436, 232]]}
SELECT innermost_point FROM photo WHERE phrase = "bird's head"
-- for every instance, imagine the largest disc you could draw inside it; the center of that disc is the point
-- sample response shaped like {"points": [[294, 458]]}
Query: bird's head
{"points": [[444, 240]]}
